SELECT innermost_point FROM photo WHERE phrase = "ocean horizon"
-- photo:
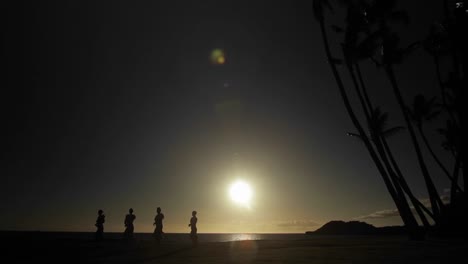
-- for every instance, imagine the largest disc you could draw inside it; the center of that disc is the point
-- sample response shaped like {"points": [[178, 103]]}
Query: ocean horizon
{"points": [[167, 237]]}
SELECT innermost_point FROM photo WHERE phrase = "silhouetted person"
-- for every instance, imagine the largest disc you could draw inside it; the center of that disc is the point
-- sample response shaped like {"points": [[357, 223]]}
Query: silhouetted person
{"points": [[100, 225], [129, 218], [193, 226], [158, 222]]}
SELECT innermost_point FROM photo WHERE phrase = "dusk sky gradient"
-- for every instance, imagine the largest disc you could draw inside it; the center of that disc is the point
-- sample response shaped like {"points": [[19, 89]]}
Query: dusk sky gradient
{"points": [[115, 104]]}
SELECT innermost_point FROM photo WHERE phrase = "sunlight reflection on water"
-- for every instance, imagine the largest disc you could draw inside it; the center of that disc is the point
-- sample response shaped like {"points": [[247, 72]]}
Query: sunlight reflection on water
{"points": [[237, 237], [246, 245], [178, 237]]}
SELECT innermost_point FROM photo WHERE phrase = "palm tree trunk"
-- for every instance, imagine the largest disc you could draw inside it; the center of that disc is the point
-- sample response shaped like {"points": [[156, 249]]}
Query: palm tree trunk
{"points": [[459, 42], [405, 210], [416, 203], [459, 125], [364, 105], [436, 202], [363, 86], [412, 232], [386, 151], [442, 89], [351, 114], [402, 204], [462, 167], [426, 142], [446, 9], [453, 189]]}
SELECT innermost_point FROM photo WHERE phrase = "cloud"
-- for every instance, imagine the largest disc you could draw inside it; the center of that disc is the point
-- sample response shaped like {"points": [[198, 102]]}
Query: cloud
{"points": [[394, 212], [297, 224], [426, 202], [379, 214]]}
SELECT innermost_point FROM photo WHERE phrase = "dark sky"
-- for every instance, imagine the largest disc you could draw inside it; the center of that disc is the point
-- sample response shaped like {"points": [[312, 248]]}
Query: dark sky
{"points": [[115, 104]]}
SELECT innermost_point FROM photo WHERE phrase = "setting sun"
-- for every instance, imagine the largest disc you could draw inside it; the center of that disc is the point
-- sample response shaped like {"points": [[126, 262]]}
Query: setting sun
{"points": [[241, 193]]}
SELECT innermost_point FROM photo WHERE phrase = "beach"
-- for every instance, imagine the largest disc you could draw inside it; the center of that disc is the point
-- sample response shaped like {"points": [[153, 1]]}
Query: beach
{"points": [[316, 249]]}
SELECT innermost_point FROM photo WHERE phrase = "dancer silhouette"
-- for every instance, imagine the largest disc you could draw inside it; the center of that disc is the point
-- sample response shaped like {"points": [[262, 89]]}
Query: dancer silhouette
{"points": [[100, 225], [129, 218], [193, 227], [158, 222]]}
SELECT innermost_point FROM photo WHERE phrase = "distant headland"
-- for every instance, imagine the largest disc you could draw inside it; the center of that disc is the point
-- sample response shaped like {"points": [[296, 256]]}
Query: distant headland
{"points": [[356, 228]]}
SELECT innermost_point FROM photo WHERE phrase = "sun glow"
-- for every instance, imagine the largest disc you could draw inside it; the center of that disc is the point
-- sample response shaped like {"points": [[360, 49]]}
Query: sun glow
{"points": [[241, 193]]}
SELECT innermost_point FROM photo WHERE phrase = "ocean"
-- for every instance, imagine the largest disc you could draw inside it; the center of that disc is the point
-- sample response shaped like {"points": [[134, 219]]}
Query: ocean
{"points": [[167, 237]]}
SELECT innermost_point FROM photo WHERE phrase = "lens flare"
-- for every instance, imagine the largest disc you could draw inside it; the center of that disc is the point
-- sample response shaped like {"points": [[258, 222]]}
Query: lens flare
{"points": [[218, 57]]}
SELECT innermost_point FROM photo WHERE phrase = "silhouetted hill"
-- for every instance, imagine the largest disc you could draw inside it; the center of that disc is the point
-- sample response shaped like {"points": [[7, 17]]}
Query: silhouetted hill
{"points": [[355, 228]]}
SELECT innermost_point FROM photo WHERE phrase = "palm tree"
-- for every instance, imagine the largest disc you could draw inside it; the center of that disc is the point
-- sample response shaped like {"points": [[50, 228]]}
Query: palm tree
{"points": [[455, 126], [424, 111], [354, 51], [457, 25], [379, 13], [451, 143], [370, 19], [379, 133], [436, 45], [449, 39], [319, 7], [389, 48]]}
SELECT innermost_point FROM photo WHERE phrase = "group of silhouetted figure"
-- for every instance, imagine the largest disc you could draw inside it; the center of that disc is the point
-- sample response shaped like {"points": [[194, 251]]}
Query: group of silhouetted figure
{"points": [[158, 223]]}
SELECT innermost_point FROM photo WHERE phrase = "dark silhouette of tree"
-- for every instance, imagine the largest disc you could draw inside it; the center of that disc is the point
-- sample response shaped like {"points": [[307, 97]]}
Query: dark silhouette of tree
{"points": [[368, 36], [437, 45], [451, 139], [356, 50], [319, 7], [392, 54], [425, 111], [379, 133], [457, 27]]}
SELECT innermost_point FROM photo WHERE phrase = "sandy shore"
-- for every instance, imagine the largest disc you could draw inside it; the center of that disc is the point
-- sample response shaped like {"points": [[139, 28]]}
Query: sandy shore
{"points": [[316, 250]]}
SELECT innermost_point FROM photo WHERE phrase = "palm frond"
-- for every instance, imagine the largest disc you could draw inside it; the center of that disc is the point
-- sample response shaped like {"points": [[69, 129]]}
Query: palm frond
{"points": [[337, 29], [400, 16], [355, 135], [319, 7], [432, 116], [392, 131]]}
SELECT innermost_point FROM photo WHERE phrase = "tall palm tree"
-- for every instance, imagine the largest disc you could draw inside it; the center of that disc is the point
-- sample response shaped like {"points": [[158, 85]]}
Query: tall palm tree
{"points": [[455, 128], [451, 143], [379, 128], [376, 125], [457, 26], [449, 38], [355, 49], [379, 133], [319, 7], [352, 53], [380, 12], [424, 111], [436, 45], [419, 207], [436, 202]]}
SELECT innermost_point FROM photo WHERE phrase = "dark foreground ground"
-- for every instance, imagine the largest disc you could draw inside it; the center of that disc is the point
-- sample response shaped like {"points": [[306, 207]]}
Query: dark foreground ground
{"points": [[318, 249]]}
